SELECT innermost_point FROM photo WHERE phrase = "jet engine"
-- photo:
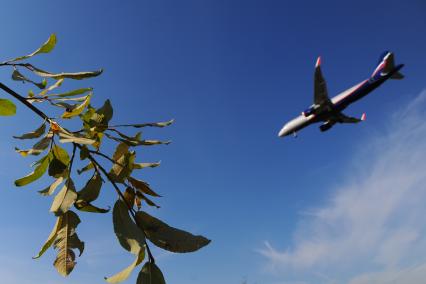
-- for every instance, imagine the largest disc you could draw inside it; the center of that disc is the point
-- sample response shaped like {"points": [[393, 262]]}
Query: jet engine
{"points": [[326, 126]]}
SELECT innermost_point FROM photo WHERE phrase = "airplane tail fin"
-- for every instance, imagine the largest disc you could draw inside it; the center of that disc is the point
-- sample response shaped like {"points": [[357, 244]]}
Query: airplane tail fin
{"points": [[387, 66]]}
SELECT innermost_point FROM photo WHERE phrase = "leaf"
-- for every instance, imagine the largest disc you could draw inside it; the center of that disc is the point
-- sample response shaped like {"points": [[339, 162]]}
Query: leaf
{"points": [[121, 149], [152, 124], [169, 238], [65, 242], [57, 84], [73, 138], [150, 274], [51, 188], [56, 168], [51, 237], [45, 48], [82, 205], [136, 142], [76, 111], [86, 168], [38, 148], [64, 199], [41, 167], [106, 112], [124, 274], [129, 195], [34, 134], [60, 154], [84, 152], [7, 108], [90, 191], [17, 76], [123, 168], [129, 235], [124, 160], [145, 165], [74, 76], [78, 99], [60, 161], [72, 93], [148, 201], [142, 186]]}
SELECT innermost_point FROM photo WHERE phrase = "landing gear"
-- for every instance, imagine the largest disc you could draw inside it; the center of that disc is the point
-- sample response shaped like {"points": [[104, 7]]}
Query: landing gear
{"points": [[295, 134]]}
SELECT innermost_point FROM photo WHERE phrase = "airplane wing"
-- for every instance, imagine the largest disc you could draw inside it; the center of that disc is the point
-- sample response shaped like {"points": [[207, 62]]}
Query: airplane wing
{"points": [[342, 118], [320, 86]]}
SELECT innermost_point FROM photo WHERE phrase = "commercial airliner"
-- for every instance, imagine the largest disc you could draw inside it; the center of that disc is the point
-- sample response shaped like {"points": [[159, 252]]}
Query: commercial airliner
{"points": [[329, 111]]}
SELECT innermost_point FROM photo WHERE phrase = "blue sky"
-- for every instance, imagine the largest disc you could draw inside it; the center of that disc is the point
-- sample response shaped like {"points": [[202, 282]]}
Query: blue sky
{"points": [[231, 73]]}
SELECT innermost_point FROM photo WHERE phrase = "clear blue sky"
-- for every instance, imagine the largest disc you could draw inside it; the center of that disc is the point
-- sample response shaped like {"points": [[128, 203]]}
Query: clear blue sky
{"points": [[230, 73]]}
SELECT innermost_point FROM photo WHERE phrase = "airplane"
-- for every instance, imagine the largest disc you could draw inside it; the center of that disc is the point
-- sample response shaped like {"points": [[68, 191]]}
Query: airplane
{"points": [[329, 111]]}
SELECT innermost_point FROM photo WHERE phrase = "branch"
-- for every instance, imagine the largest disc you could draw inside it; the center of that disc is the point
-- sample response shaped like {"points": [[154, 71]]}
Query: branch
{"points": [[24, 101], [91, 158], [129, 206], [106, 157]]}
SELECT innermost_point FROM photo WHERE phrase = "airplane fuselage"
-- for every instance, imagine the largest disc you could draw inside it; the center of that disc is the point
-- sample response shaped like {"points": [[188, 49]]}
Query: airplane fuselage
{"points": [[338, 104]]}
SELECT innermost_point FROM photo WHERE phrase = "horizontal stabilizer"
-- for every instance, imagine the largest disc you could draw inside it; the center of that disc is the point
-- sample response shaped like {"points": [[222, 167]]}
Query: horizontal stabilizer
{"points": [[387, 66]]}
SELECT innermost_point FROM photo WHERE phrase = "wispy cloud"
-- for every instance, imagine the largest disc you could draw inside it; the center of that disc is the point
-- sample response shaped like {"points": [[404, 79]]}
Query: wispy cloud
{"points": [[373, 228]]}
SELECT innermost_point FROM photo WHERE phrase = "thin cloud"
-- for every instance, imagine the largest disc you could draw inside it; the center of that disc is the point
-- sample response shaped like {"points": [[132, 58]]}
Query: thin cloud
{"points": [[373, 227]]}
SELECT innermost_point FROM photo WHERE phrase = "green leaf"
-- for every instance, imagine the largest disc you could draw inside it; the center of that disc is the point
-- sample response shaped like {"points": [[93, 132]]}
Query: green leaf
{"points": [[60, 100], [61, 154], [17, 76], [88, 167], [142, 186], [148, 201], [122, 169], [90, 191], [7, 108], [106, 112], [41, 167], [56, 168], [59, 163], [123, 275], [134, 141], [74, 138], [64, 199], [151, 124], [45, 48], [76, 111], [84, 152], [120, 151], [38, 148], [51, 188], [150, 274], [145, 165], [65, 242], [128, 233], [51, 238], [57, 84], [72, 93], [169, 238], [34, 134], [82, 205], [124, 160], [74, 76]]}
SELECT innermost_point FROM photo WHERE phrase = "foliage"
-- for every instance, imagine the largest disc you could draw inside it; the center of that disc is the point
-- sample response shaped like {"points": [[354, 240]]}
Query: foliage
{"points": [[132, 226]]}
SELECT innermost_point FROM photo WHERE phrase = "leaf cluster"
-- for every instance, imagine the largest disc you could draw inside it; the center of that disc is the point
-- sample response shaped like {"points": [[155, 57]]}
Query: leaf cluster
{"points": [[60, 147]]}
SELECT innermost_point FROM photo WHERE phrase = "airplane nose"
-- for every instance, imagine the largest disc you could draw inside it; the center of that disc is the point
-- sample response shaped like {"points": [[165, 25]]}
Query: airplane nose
{"points": [[283, 132]]}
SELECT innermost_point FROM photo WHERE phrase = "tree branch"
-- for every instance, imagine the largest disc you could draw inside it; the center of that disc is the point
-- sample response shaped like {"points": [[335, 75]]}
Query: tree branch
{"points": [[91, 158]]}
